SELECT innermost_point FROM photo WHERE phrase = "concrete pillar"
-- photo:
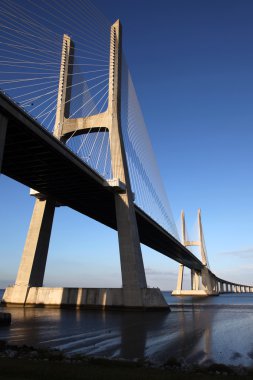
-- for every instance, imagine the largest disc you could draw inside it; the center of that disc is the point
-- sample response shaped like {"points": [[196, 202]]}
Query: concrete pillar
{"points": [[221, 287], [64, 88], [192, 279], [180, 277], [207, 281], [32, 267], [3, 130], [195, 280], [227, 287], [201, 240], [132, 268]]}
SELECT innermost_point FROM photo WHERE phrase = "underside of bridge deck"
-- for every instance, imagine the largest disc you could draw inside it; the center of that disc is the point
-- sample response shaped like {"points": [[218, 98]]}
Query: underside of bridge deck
{"points": [[33, 157]]}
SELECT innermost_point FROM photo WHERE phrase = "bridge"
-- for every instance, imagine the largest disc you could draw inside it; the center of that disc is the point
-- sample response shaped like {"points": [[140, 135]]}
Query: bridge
{"points": [[103, 151]]}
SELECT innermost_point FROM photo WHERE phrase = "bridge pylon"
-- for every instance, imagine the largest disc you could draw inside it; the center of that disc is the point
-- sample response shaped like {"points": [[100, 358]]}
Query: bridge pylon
{"points": [[203, 282], [134, 291]]}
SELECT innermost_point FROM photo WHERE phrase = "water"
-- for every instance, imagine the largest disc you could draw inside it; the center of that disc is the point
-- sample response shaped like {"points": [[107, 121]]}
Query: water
{"points": [[200, 330], [224, 300]]}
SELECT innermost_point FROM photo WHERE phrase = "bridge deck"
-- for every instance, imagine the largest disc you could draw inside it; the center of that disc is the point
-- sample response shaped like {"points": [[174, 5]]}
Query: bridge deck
{"points": [[35, 158]]}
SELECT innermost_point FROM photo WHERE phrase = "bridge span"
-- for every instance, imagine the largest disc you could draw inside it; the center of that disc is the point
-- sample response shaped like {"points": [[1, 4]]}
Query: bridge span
{"points": [[37, 159], [42, 161]]}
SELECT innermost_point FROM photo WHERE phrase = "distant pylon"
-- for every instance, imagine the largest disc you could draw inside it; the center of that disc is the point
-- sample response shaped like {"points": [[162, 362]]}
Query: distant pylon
{"points": [[196, 276]]}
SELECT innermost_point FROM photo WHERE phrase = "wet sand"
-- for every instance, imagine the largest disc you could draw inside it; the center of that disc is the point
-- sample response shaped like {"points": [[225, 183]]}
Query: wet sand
{"points": [[196, 334]]}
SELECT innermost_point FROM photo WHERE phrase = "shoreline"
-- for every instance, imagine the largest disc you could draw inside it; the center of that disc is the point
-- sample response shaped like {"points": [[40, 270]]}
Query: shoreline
{"points": [[29, 358]]}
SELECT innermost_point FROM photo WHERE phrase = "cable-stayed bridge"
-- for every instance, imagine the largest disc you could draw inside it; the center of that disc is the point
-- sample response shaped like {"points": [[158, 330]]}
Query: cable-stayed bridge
{"points": [[73, 131]]}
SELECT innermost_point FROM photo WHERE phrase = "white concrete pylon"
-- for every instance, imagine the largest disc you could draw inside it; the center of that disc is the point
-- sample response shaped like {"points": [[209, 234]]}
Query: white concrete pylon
{"points": [[132, 268], [202, 283], [181, 266], [33, 262]]}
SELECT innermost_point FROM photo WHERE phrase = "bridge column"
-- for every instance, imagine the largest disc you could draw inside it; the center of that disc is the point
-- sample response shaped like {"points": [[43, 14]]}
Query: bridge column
{"points": [[216, 286], [180, 277], [132, 268], [195, 280], [221, 287], [227, 288], [3, 130], [208, 282], [33, 263]]}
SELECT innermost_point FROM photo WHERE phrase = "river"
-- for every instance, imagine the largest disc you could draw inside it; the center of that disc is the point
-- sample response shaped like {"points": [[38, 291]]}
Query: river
{"points": [[197, 330]]}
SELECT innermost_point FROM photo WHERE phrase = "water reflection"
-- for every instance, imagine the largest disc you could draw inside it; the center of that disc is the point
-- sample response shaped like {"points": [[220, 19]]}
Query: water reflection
{"points": [[195, 335]]}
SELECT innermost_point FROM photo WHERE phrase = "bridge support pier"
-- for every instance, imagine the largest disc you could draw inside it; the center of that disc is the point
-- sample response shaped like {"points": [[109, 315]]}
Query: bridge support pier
{"points": [[195, 280], [180, 278], [203, 283], [33, 262]]}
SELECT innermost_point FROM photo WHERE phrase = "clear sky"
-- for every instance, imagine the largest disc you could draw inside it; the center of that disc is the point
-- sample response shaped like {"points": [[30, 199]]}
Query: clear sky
{"points": [[192, 66]]}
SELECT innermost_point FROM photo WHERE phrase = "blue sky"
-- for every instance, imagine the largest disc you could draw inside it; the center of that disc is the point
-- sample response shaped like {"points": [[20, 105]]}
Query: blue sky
{"points": [[192, 66]]}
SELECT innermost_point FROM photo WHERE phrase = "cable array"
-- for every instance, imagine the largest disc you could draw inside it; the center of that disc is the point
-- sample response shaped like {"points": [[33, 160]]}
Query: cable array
{"points": [[31, 52], [146, 182], [31, 48]]}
